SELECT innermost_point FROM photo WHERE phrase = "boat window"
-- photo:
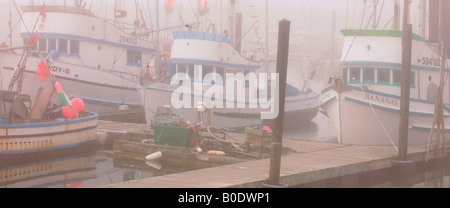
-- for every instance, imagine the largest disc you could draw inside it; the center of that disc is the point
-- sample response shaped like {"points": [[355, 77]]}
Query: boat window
{"points": [[344, 75], [190, 70], [134, 57], [62, 46], [397, 80], [355, 75], [384, 76], [74, 47], [51, 44], [43, 44], [220, 71], [182, 68], [206, 70], [130, 55], [198, 72], [369, 75], [137, 57]]}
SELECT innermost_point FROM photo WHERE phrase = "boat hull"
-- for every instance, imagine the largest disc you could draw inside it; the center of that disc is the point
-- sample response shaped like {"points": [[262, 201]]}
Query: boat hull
{"points": [[298, 108], [32, 139], [156, 95], [365, 117]]}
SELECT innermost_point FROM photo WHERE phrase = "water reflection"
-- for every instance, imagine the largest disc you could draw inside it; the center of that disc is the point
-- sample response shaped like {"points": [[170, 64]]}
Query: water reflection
{"points": [[67, 171]]}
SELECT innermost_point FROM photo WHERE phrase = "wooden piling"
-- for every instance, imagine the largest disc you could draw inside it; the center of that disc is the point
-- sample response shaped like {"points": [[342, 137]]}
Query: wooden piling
{"points": [[282, 61], [405, 92]]}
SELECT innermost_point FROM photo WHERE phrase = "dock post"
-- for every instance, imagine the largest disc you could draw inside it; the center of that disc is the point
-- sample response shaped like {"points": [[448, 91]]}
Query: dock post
{"points": [[405, 93], [282, 62], [405, 167]]}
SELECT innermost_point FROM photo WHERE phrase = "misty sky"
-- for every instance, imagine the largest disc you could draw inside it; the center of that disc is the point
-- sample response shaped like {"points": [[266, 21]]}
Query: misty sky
{"points": [[312, 16]]}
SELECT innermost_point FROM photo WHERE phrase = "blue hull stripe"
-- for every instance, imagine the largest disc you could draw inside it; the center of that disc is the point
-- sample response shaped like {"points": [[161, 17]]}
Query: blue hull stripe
{"points": [[93, 116], [327, 102]]}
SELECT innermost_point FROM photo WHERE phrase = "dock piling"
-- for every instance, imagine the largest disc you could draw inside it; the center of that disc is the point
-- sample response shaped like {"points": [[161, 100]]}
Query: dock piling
{"points": [[405, 91], [282, 61]]}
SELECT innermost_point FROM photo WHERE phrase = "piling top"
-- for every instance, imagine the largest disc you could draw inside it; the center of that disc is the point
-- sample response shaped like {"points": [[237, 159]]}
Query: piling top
{"points": [[285, 21]]}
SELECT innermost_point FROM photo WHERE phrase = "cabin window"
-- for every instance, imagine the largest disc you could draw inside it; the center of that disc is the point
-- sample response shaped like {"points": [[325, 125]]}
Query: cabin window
{"points": [[369, 75], [43, 44], [190, 70], [198, 72], [51, 44], [134, 58], [180, 68], [384, 76], [398, 78], [220, 71], [355, 75], [62, 46], [206, 70], [74, 47], [344, 75]]}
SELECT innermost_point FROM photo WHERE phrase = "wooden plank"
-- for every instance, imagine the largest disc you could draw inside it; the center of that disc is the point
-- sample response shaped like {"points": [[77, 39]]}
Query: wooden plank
{"points": [[41, 102]]}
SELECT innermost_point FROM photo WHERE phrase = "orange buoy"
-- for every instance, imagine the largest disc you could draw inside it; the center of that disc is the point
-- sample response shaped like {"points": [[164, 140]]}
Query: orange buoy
{"points": [[215, 152], [78, 104]]}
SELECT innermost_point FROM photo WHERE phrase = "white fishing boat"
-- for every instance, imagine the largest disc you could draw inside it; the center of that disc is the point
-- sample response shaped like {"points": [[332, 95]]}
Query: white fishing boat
{"points": [[195, 54], [363, 102], [93, 58]]}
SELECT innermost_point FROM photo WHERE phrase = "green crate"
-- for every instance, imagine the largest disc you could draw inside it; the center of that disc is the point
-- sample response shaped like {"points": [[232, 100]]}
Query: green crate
{"points": [[173, 136]]}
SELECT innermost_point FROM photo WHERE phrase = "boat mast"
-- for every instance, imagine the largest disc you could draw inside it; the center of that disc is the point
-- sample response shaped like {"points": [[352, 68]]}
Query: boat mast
{"points": [[396, 19], [423, 16], [374, 14], [266, 59], [157, 60]]}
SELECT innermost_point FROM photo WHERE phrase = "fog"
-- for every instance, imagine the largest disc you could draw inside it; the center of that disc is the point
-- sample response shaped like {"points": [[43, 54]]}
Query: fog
{"points": [[310, 16], [312, 31]]}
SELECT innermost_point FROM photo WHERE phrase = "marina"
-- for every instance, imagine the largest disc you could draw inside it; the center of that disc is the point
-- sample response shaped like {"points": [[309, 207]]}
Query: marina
{"points": [[318, 149], [109, 97]]}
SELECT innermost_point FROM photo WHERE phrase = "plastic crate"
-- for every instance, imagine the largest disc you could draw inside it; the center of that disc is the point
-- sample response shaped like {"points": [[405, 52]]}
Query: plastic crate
{"points": [[173, 136]]}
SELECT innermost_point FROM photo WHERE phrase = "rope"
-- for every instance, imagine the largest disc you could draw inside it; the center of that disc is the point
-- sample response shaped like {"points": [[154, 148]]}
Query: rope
{"points": [[219, 139], [379, 121]]}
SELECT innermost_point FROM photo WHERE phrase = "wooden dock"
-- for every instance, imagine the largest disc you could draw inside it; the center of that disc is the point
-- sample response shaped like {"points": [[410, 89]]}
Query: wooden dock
{"points": [[314, 161]]}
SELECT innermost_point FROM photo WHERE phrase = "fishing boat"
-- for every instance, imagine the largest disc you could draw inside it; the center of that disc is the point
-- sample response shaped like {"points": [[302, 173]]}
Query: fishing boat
{"points": [[42, 121], [194, 55], [22, 136], [363, 101], [76, 38]]}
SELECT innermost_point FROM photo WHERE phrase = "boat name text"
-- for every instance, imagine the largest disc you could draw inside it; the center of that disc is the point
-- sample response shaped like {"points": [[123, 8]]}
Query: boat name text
{"points": [[60, 69], [427, 61], [383, 100], [128, 39]]}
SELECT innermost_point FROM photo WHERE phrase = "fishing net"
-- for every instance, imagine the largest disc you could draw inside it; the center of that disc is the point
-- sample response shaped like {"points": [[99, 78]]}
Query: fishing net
{"points": [[168, 120]]}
